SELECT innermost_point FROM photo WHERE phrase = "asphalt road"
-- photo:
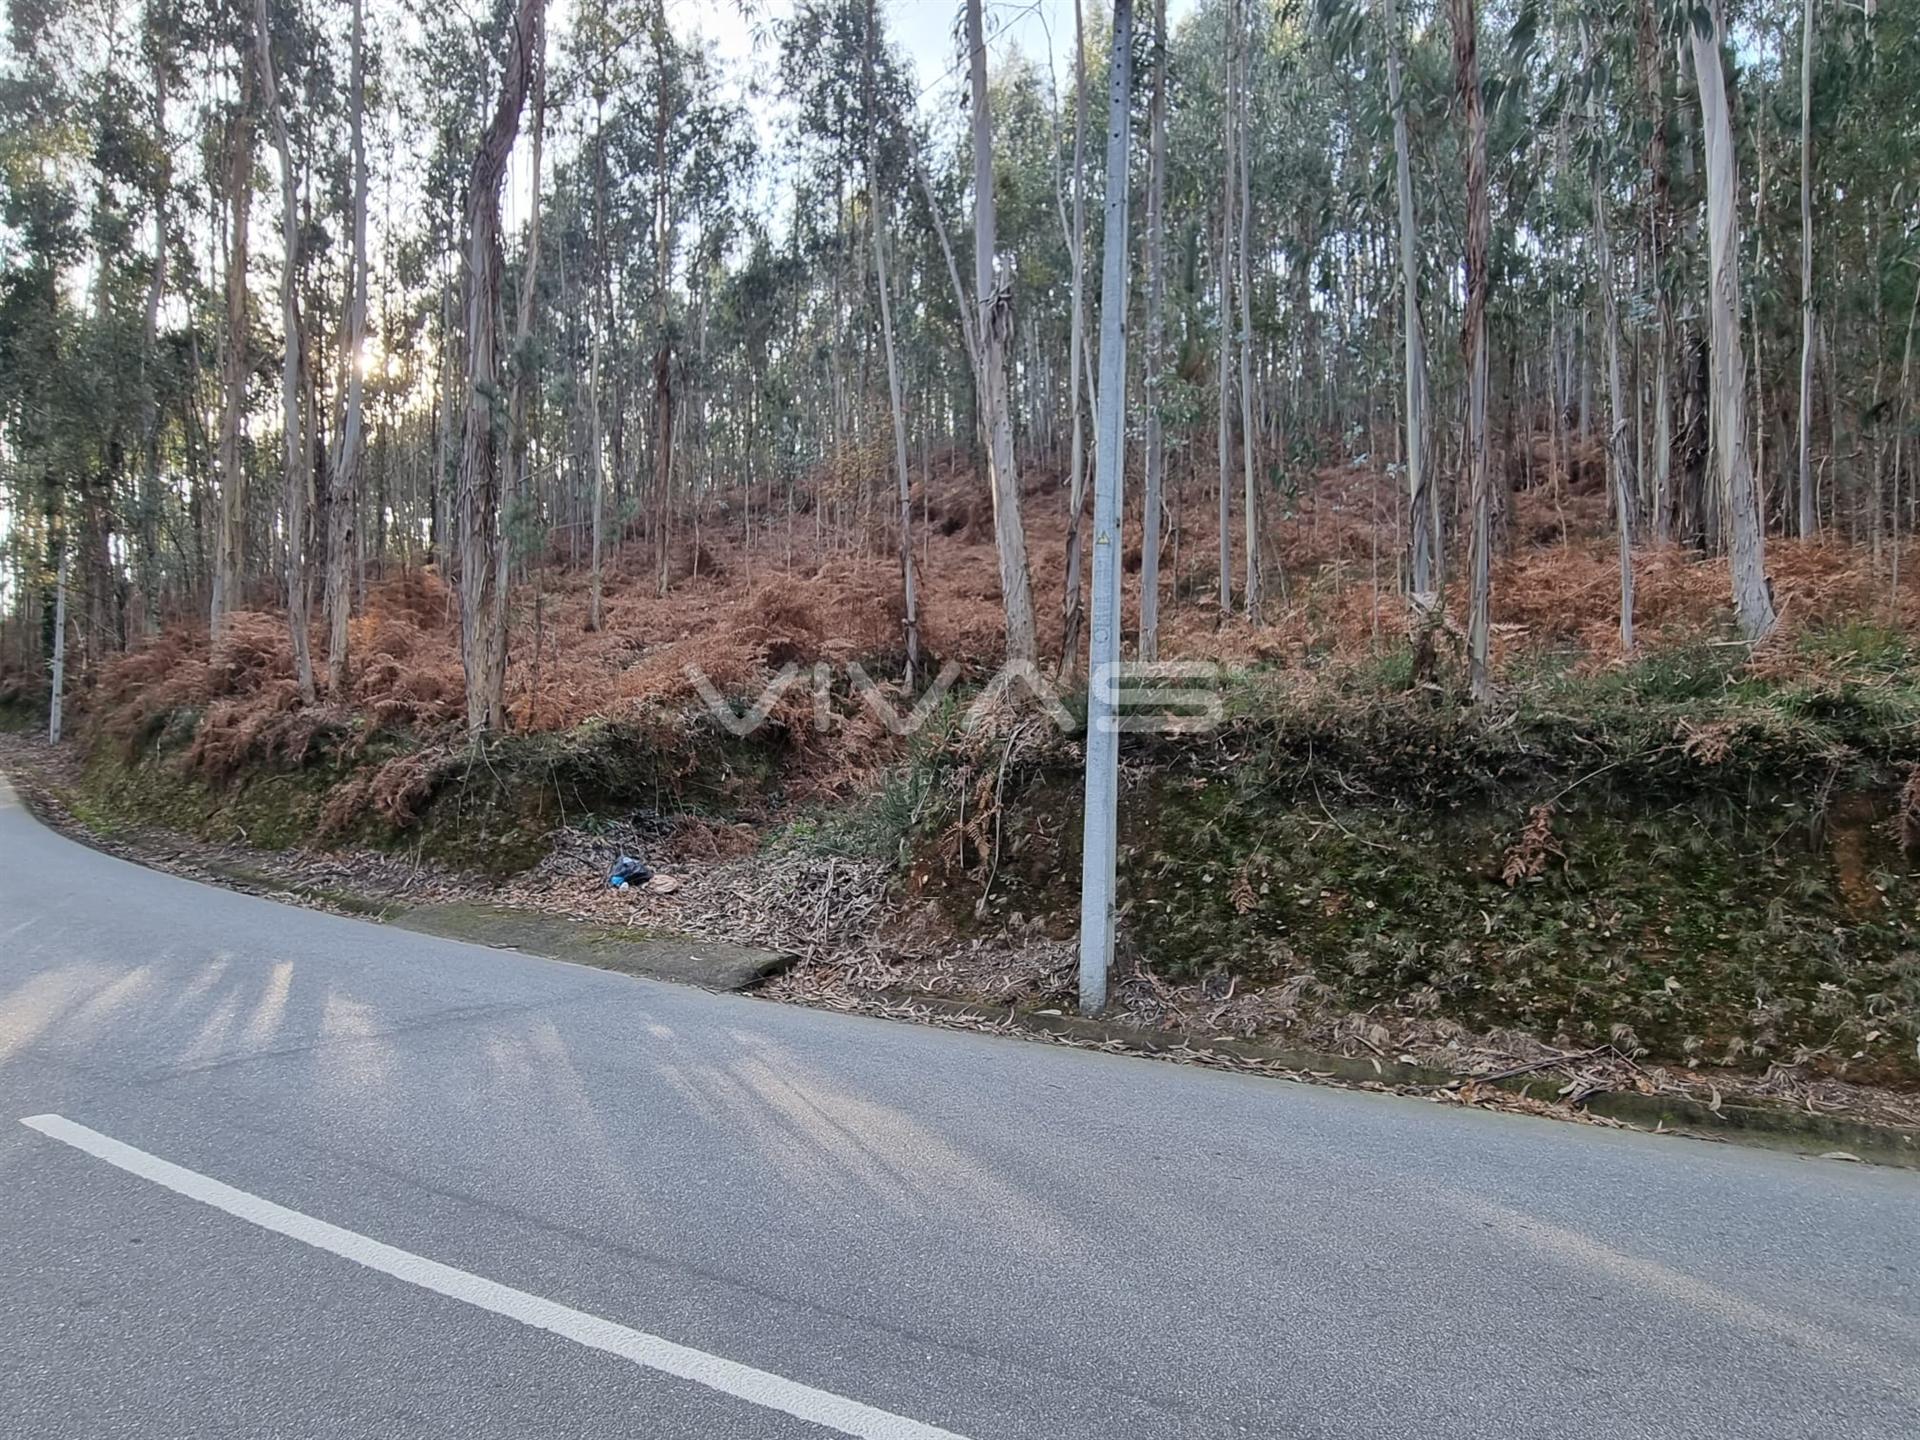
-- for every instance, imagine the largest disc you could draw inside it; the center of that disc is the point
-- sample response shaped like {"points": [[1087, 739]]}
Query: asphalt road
{"points": [[929, 1229]]}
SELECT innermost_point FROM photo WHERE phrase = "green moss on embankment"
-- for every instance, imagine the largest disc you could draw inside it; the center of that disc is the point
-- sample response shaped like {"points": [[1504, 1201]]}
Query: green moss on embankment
{"points": [[1679, 858], [273, 811], [490, 808]]}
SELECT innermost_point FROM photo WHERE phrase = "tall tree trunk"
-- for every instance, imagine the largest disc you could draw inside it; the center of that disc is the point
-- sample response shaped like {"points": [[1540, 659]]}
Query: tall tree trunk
{"points": [[1076, 348], [596, 440], [99, 619], [1249, 436], [1619, 420], [483, 554], [444, 477], [523, 357], [1153, 523], [876, 208], [663, 352], [1658, 204], [150, 489], [1229, 194], [1223, 439], [995, 328], [297, 457], [663, 460], [969, 331], [1662, 414], [343, 494], [199, 454], [1752, 595], [1809, 520], [1466, 62], [235, 367], [1422, 589]]}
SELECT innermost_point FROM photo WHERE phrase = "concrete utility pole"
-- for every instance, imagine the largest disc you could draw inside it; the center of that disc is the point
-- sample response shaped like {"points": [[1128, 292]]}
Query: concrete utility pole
{"points": [[1103, 659]]}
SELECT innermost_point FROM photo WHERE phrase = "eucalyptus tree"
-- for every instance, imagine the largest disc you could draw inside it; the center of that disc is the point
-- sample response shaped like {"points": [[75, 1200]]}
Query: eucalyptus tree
{"points": [[84, 163], [1421, 586], [680, 150], [994, 327], [160, 39], [1651, 46], [1240, 172], [665, 55], [296, 433], [1865, 127], [888, 122], [1153, 507], [852, 99], [235, 364], [621, 278], [1620, 454], [1808, 518], [48, 433], [1225, 274], [1465, 22], [1076, 229], [43, 416], [453, 65], [483, 568], [1031, 147], [603, 31], [525, 358], [1752, 595], [344, 477]]}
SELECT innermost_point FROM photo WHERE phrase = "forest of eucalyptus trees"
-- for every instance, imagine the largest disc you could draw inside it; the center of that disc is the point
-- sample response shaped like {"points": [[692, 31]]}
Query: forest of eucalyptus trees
{"points": [[295, 295]]}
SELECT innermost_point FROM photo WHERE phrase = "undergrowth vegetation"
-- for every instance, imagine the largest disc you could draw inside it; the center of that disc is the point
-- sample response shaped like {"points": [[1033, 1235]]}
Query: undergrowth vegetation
{"points": [[284, 778], [1697, 858]]}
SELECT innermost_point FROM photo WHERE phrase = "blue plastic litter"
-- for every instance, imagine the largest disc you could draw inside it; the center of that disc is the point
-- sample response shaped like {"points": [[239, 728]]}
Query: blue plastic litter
{"points": [[628, 871]]}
